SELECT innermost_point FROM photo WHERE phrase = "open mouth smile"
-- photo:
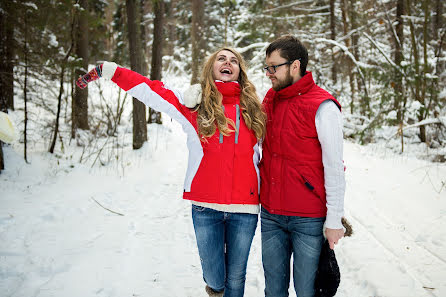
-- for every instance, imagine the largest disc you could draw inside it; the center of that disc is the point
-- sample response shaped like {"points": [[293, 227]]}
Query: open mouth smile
{"points": [[226, 71]]}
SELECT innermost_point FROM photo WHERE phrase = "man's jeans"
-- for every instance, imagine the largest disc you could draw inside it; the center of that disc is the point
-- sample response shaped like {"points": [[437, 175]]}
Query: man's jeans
{"points": [[283, 236], [224, 240]]}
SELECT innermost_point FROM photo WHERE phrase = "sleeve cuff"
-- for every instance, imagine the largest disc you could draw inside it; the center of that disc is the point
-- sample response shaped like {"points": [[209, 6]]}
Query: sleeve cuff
{"points": [[108, 69], [333, 222]]}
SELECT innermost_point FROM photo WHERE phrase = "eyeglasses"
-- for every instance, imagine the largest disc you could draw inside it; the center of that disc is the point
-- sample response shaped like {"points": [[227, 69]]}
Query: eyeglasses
{"points": [[272, 69]]}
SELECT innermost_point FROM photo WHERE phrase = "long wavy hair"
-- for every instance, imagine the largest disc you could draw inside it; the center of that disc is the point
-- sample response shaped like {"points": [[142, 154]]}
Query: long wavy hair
{"points": [[210, 111]]}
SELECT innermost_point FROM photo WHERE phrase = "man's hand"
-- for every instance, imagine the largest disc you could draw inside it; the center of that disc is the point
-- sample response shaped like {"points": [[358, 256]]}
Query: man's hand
{"points": [[333, 236]]}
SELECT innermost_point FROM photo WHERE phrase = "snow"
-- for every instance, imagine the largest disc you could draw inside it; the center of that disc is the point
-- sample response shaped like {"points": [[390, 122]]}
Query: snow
{"points": [[58, 239], [53, 40]]}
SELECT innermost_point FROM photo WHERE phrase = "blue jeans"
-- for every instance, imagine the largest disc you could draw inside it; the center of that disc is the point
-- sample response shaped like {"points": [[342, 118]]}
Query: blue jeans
{"points": [[283, 236], [224, 240]]}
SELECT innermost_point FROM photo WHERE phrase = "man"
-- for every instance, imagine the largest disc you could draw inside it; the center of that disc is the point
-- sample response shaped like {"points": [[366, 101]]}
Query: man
{"points": [[302, 171]]}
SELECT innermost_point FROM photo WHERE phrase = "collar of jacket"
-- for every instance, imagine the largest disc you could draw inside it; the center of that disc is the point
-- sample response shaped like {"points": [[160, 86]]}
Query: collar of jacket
{"points": [[229, 90], [300, 87]]}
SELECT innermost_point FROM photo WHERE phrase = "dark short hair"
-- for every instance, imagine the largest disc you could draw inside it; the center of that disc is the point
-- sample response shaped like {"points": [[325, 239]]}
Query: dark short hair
{"points": [[290, 48]]}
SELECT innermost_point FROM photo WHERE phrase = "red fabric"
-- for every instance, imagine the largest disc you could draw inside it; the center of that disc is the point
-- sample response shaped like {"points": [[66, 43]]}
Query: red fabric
{"points": [[226, 174], [127, 79], [291, 170], [92, 75]]}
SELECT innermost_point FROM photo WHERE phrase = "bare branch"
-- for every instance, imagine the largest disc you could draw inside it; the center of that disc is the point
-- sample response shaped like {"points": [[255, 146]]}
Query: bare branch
{"points": [[441, 120], [288, 5], [349, 54], [120, 214]]}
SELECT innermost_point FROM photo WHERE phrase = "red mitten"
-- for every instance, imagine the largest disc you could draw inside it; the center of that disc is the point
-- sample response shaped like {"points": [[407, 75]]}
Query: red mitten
{"points": [[94, 74]]}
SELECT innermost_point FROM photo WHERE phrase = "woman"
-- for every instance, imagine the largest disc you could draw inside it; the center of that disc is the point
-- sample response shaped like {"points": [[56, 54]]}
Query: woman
{"points": [[222, 178]]}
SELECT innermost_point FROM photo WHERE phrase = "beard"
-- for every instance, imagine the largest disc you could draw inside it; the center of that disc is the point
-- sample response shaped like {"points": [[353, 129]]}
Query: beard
{"points": [[283, 83]]}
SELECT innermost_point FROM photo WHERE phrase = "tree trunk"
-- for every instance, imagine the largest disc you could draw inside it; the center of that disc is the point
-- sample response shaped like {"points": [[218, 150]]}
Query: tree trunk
{"points": [[136, 63], [109, 39], [424, 110], [6, 60], [438, 36], [157, 52], [399, 41], [143, 10], [438, 33], [80, 99], [25, 89], [2, 162], [364, 106], [333, 37], [171, 26], [59, 103], [344, 8], [398, 37], [197, 39], [59, 100], [416, 63]]}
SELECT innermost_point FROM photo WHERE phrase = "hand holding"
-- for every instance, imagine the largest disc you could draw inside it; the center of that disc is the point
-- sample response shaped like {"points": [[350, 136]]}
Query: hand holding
{"points": [[333, 236]]}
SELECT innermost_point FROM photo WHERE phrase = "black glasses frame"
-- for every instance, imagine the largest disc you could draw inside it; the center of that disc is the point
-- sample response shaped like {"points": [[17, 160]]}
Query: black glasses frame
{"points": [[272, 69]]}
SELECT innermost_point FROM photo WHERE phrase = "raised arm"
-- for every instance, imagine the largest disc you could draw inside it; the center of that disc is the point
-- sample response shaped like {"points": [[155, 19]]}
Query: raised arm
{"points": [[150, 92]]}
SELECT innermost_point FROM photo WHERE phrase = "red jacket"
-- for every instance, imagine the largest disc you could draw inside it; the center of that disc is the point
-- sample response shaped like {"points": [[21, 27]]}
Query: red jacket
{"points": [[222, 169], [291, 169]]}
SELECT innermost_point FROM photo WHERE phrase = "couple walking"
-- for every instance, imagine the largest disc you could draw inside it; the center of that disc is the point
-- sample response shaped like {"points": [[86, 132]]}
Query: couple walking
{"points": [[297, 186]]}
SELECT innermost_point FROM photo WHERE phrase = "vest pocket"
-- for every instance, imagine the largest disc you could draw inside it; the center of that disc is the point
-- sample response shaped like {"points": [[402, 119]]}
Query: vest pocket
{"points": [[309, 186]]}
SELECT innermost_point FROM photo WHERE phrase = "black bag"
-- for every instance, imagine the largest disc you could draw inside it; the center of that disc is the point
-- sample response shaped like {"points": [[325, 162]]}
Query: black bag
{"points": [[328, 276]]}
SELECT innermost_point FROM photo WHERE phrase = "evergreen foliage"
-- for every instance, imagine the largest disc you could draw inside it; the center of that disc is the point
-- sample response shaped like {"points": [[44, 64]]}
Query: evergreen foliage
{"points": [[380, 80]]}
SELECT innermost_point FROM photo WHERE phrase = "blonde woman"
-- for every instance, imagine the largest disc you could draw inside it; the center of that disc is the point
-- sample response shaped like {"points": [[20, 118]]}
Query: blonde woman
{"points": [[222, 179]]}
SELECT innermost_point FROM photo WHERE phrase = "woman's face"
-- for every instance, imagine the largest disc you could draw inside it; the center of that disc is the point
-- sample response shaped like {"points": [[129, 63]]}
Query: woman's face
{"points": [[226, 66]]}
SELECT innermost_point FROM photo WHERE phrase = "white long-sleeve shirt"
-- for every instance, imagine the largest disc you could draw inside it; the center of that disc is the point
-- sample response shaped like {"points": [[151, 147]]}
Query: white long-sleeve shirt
{"points": [[329, 130]]}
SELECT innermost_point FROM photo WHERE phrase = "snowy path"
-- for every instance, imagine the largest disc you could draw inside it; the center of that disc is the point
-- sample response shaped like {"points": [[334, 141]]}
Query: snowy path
{"points": [[56, 241]]}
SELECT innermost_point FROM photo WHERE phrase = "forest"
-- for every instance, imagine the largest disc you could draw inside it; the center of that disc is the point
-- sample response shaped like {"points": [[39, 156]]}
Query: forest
{"points": [[384, 60]]}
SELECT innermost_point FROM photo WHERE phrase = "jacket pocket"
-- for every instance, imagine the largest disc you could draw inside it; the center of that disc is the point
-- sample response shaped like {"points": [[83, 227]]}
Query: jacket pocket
{"points": [[309, 185]]}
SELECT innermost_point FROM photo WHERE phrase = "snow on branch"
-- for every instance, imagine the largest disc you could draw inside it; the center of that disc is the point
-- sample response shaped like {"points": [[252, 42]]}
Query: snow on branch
{"points": [[322, 8], [398, 68], [262, 45], [348, 53], [294, 17], [382, 52], [288, 5], [440, 120]]}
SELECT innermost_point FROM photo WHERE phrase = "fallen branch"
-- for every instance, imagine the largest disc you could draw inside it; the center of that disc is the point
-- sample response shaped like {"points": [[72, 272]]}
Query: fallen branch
{"points": [[441, 121], [106, 207]]}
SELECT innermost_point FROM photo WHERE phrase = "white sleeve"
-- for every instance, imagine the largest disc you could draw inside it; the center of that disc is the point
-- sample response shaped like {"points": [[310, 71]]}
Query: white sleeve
{"points": [[109, 69], [329, 129]]}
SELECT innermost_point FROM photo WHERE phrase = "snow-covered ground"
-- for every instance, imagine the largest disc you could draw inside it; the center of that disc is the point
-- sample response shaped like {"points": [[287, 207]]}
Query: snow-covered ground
{"points": [[56, 240]]}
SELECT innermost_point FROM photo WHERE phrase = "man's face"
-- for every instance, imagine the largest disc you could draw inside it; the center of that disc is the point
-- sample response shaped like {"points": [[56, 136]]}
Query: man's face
{"points": [[282, 77]]}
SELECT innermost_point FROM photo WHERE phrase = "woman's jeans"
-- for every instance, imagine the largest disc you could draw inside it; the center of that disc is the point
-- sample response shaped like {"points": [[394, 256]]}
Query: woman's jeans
{"points": [[224, 240], [283, 236]]}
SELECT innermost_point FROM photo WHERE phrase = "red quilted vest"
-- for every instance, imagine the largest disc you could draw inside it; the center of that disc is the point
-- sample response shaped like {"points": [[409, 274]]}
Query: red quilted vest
{"points": [[291, 170]]}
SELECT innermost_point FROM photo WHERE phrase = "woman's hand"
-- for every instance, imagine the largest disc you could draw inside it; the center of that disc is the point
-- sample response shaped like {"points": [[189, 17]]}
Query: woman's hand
{"points": [[92, 75], [192, 96]]}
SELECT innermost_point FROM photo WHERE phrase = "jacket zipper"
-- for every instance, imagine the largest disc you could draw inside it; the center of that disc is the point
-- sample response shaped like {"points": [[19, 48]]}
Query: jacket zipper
{"points": [[307, 183]]}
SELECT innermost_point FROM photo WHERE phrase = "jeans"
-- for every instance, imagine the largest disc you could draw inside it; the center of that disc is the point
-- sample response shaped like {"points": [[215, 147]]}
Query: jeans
{"points": [[224, 240], [283, 236]]}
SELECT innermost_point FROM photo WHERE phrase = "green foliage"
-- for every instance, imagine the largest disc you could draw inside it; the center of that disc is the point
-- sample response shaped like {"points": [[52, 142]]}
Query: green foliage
{"points": [[363, 50]]}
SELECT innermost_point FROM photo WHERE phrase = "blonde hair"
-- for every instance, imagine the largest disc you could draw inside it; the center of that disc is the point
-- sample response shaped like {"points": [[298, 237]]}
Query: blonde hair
{"points": [[210, 111]]}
